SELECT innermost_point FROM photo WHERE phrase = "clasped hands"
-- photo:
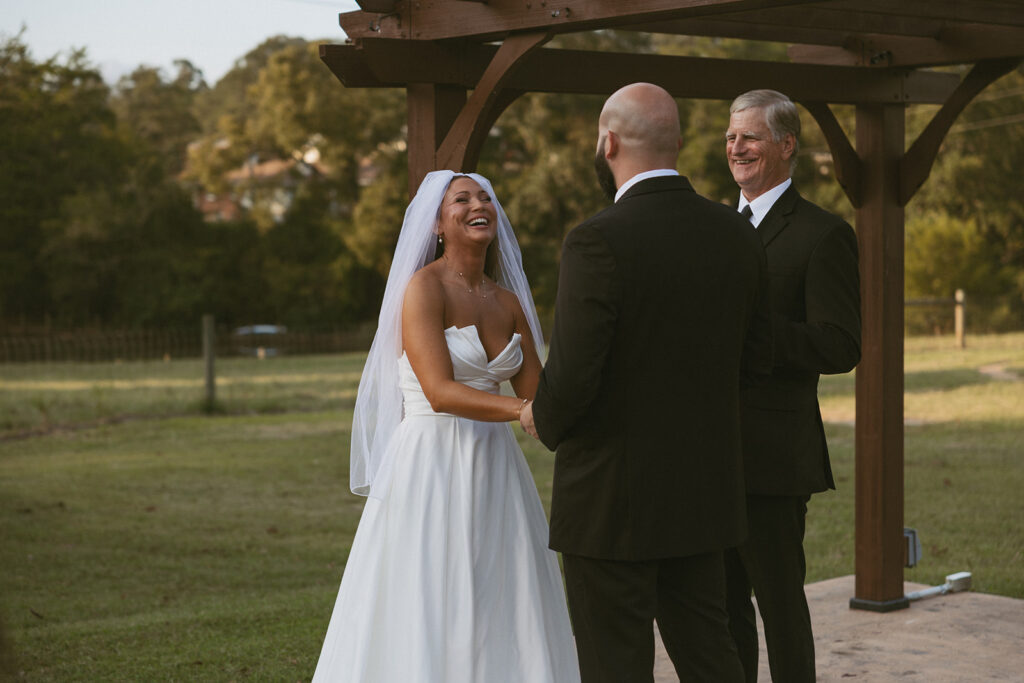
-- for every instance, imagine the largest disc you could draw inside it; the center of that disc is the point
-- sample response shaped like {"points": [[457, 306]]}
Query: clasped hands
{"points": [[526, 419]]}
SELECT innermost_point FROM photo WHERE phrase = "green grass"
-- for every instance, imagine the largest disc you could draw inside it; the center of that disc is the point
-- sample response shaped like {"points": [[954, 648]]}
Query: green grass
{"points": [[176, 546], [39, 397], [963, 466]]}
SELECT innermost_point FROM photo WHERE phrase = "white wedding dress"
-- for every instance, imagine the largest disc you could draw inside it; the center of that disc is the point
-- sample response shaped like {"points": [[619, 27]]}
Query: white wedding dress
{"points": [[449, 579]]}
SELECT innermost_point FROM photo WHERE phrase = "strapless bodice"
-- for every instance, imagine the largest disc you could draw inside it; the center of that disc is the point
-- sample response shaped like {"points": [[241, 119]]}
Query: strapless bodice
{"points": [[470, 366]]}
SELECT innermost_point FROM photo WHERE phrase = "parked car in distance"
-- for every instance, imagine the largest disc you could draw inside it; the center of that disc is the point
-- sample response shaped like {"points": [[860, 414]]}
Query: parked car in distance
{"points": [[259, 340]]}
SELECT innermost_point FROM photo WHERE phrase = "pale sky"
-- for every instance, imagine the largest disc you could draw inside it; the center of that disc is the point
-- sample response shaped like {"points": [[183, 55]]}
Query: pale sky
{"points": [[119, 35]]}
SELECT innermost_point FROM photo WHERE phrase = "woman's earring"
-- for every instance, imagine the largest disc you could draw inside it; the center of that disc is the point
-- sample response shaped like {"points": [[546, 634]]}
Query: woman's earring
{"points": [[440, 240]]}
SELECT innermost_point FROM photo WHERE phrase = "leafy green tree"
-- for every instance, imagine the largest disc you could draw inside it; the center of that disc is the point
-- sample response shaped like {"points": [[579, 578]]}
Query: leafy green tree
{"points": [[157, 115], [945, 253], [57, 138], [975, 184]]}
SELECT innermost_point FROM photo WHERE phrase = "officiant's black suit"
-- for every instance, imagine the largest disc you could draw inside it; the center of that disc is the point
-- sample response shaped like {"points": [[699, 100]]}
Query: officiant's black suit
{"points": [[661, 312], [815, 300]]}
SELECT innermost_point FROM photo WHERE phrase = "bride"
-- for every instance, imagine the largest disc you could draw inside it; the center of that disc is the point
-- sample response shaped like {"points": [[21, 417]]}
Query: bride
{"points": [[449, 579]]}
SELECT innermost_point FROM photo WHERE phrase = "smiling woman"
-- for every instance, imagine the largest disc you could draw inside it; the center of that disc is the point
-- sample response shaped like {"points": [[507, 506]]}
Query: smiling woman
{"points": [[449, 577]]}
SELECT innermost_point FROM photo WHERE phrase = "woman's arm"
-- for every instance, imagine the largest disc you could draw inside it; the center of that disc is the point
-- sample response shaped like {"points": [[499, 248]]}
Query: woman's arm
{"points": [[427, 350], [524, 383]]}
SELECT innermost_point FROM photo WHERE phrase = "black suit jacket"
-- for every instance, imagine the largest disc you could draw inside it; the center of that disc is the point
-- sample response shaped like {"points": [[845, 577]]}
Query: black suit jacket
{"points": [[815, 299], [660, 309]]}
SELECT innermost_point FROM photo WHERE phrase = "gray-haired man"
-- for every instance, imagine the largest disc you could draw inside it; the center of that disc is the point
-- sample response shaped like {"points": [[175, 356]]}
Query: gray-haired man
{"points": [[815, 300]]}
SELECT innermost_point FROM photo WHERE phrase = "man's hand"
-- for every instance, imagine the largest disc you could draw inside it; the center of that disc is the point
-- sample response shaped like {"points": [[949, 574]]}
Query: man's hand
{"points": [[526, 420]]}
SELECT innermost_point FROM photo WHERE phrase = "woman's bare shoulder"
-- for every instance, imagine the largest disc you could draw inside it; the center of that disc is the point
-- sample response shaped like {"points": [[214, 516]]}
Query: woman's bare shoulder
{"points": [[425, 285], [508, 300]]}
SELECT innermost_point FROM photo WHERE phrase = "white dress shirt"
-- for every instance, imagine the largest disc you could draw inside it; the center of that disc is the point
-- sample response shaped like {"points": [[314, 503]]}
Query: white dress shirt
{"points": [[763, 204], [644, 176]]}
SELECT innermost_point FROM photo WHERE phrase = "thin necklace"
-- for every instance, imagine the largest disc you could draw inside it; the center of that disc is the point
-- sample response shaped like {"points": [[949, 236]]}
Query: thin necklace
{"points": [[479, 289]]}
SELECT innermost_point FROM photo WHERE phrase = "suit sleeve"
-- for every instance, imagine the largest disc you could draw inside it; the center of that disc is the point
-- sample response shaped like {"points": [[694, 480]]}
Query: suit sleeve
{"points": [[586, 310], [828, 342]]}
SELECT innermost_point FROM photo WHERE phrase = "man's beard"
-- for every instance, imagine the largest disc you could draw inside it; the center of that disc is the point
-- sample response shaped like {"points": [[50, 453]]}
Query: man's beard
{"points": [[605, 178]]}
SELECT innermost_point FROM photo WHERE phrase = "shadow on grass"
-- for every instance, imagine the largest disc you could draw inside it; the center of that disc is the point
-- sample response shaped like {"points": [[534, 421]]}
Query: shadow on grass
{"points": [[913, 382]]}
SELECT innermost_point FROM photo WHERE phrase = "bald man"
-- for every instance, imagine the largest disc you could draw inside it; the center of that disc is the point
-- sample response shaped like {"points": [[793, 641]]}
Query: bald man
{"points": [[660, 314]]}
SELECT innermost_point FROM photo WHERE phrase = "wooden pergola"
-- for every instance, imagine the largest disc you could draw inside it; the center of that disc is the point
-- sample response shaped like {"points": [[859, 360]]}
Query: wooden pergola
{"points": [[462, 62]]}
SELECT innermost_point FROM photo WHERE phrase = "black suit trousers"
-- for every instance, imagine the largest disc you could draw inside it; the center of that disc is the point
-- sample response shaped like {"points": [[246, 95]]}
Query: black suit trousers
{"points": [[771, 562], [614, 604]]}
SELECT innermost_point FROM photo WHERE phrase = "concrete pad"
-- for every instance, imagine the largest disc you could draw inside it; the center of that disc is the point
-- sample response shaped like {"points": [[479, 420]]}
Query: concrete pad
{"points": [[944, 639]]}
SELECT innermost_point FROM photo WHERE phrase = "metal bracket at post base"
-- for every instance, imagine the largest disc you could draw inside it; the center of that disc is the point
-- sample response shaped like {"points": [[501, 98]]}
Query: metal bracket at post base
{"points": [[901, 602]]}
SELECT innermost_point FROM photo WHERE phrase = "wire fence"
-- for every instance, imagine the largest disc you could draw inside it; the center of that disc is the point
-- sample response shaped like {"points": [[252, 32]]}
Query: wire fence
{"points": [[92, 345], [938, 306], [267, 341]]}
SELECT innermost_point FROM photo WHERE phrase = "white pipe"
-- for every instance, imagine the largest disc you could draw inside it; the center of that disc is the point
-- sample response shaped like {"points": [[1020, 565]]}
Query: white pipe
{"points": [[961, 581]]}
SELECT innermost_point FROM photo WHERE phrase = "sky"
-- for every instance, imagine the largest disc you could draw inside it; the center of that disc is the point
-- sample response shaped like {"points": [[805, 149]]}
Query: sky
{"points": [[119, 35]]}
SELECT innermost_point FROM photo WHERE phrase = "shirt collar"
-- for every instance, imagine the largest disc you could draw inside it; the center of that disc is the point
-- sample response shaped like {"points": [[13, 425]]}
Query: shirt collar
{"points": [[764, 203], [643, 176]]}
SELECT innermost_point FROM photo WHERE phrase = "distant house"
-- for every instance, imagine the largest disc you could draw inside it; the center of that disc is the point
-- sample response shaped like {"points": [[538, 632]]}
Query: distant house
{"points": [[265, 185]]}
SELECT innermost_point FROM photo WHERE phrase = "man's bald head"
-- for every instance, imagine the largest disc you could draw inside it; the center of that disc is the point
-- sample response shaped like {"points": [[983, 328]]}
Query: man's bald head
{"points": [[645, 119]]}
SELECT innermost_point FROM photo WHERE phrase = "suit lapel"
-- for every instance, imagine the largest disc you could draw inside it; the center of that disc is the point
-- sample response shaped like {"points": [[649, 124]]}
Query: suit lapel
{"points": [[778, 216]]}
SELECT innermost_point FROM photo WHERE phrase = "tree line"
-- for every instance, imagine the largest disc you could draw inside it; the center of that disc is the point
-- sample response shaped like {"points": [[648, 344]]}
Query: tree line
{"points": [[276, 194]]}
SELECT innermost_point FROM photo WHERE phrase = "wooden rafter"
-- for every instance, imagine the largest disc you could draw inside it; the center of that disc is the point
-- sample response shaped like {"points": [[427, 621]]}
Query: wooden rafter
{"points": [[434, 19], [461, 147], [952, 45], [848, 165], [1003, 13], [917, 162], [384, 62], [821, 20]]}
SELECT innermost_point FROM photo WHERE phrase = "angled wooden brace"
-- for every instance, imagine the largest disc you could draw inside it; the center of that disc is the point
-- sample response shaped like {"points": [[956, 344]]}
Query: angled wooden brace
{"points": [[917, 162], [460, 149], [848, 165]]}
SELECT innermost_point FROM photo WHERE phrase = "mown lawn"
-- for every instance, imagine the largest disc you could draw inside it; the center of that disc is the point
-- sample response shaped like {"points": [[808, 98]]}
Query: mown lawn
{"points": [[143, 541]]}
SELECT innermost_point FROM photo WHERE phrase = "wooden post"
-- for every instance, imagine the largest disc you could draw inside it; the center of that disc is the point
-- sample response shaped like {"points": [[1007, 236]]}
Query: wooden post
{"points": [[431, 111], [209, 351], [958, 319], [879, 429]]}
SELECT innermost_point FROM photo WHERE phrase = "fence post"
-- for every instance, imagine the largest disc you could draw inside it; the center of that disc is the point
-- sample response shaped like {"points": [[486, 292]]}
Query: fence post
{"points": [[958, 319], [209, 351]]}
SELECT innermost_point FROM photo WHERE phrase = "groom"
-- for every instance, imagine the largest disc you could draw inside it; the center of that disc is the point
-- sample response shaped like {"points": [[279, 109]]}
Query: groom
{"points": [[660, 314]]}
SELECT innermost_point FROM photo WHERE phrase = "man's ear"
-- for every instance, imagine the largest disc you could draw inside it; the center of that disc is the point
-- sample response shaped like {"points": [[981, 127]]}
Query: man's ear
{"points": [[788, 145], [611, 144]]}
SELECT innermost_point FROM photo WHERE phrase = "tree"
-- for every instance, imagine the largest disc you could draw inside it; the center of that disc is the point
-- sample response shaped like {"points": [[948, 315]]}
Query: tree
{"points": [[157, 115], [318, 263], [944, 254], [58, 139]]}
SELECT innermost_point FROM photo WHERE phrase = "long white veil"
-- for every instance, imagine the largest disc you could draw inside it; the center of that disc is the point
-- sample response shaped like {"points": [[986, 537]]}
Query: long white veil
{"points": [[378, 410]]}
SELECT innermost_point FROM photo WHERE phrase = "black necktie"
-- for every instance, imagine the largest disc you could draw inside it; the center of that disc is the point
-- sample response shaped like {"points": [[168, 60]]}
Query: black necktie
{"points": [[747, 212]]}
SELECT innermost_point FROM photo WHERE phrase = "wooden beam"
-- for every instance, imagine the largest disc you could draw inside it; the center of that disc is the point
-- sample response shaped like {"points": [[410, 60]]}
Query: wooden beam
{"points": [[377, 5], [954, 45], [879, 429], [461, 147], [725, 28], [443, 19], [1005, 13], [349, 66], [395, 62], [916, 164], [432, 109], [849, 169], [821, 20]]}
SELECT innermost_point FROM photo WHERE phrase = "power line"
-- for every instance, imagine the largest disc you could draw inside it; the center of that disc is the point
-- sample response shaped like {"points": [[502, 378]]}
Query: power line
{"points": [[318, 3], [987, 123], [999, 94]]}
